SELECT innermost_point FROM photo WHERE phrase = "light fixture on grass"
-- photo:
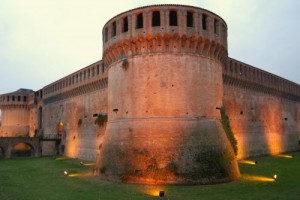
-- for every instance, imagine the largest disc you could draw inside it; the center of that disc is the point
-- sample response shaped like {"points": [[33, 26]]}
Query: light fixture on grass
{"points": [[66, 172], [275, 177], [161, 194]]}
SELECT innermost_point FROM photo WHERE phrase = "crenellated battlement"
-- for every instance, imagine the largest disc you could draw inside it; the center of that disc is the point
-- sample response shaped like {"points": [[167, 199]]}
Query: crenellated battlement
{"points": [[15, 99], [84, 80], [164, 29], [244, 75]]}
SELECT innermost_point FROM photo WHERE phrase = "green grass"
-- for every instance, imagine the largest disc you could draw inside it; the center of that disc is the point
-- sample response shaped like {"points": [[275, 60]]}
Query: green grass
{"points": [[43, 179]]}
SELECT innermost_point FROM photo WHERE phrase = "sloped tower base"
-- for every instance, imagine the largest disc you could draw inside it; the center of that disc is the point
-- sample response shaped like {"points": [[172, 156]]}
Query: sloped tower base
{"points": [[168, 151]]}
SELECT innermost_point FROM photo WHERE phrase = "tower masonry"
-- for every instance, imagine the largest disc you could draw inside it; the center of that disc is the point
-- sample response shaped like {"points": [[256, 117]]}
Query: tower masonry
{"points": [[164, 93]]}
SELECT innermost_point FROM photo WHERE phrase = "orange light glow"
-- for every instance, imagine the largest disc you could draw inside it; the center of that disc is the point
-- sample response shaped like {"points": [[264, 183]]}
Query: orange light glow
{"points": [[80, 174], [248, 162], [89, 164], [284, 156], [257, 178], [71, 145], [60, 158], [238, 130], [153, 190], [273, 128]]}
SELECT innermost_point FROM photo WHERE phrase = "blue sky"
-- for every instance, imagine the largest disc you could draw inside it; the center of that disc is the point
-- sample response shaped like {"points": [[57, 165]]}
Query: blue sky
{"points": [[44, 40]]}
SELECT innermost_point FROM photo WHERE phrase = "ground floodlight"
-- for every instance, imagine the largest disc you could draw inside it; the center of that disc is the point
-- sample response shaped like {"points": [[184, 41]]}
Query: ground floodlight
{"points": [[66, 172], [161, 193], [275, 177]]}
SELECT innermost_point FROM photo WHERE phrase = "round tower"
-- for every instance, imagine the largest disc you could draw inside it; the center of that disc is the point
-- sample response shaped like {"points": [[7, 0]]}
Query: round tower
{"points": [[15, 114], [165, 90]]}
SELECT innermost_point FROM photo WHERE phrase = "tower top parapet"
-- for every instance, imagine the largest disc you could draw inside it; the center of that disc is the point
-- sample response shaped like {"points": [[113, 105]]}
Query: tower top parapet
{"points": [[17, 98], [166, 28]]}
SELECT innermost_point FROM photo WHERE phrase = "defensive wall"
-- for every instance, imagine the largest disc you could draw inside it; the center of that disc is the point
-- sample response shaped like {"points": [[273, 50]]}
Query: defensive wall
{"points": [[263, 110], [164, 75], [75, 102]]}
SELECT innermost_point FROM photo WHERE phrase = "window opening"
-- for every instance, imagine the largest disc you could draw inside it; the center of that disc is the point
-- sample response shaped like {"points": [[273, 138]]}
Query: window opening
{"points": [[216, 26], [204, 20], [189, 19], [106, 34], [156, 18], [139, 21], [173, 18], [113, 29], [125, 24]]}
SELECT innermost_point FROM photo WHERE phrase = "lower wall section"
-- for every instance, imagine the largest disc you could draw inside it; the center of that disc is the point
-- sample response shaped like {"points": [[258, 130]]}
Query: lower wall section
{"points": [[81, 137], [262, 123], [48, 148]]}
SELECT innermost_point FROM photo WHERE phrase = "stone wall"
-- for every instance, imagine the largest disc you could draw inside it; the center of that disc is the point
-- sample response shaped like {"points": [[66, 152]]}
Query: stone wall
{"points": [[81, 137], [263, 110]]}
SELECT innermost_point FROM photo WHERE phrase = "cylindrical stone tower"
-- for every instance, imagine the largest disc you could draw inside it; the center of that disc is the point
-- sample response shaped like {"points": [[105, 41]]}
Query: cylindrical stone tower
{"points": [[164, 93], [15, 114]]}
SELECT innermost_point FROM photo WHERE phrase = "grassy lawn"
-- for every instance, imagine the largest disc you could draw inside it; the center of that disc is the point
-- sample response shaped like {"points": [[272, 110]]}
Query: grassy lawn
{"points": [[43, 179]]}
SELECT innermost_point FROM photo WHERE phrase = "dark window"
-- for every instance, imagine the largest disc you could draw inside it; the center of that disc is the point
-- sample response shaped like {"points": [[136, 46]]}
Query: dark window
{"points": [[13, 98], [7, 98], [204, 19], [97, 69], [113, 29], [216, 26], [24, 98], [189, 19], [173, 18], [156, 18], [106, 34], [102, 68], [19, 98], [125, 24], [139, 21]]}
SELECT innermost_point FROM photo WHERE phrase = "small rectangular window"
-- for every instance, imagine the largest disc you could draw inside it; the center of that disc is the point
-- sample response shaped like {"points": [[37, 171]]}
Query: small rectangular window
{"points": [[97, 69], [125, 24], [204, 19], [19, 98], [13, 98], [106, 34], [173, 18], [189, 19], [113, 29], [7, 98], [216, 26], [156, 18], [103, 68], [24, 98], [139, 21]]}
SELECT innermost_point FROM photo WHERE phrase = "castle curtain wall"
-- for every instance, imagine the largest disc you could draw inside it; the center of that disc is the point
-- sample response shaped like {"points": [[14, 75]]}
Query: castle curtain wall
{"points": [[263, 110], [71, 107]]}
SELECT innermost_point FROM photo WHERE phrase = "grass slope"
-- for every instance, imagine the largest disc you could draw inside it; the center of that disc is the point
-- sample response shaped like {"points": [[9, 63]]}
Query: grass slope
{"points": [[43, 179]]}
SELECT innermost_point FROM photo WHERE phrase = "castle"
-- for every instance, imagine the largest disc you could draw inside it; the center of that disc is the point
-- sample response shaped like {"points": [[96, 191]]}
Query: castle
{"points": [[149, 111]]}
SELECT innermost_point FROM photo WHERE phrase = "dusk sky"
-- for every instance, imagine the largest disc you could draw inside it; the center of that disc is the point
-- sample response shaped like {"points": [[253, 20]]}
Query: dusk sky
{"points": [[44, 40]]}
